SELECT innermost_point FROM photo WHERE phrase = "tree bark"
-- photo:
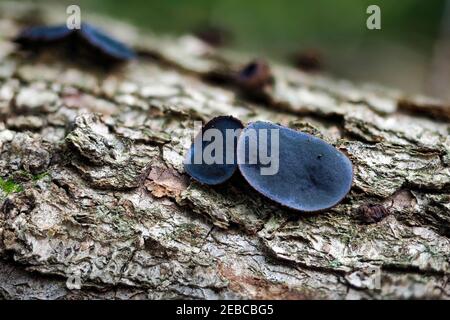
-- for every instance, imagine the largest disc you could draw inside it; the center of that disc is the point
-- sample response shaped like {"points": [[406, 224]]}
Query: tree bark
{"points": [[95, 202]]}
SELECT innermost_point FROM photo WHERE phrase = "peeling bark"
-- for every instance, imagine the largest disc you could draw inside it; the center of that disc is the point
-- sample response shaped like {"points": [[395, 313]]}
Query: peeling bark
{"points": [[95, 202]]}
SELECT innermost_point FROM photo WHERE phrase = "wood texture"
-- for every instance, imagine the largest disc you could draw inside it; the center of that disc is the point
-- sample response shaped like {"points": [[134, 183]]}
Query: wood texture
{"points": [[95, 202]]}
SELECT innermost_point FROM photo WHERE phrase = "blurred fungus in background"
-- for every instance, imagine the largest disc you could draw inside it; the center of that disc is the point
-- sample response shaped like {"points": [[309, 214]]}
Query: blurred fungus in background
{"points": [[410, 52]]}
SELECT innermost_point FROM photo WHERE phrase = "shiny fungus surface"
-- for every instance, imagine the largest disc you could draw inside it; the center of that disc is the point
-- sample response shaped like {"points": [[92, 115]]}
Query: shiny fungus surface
{"points": [[218, 143], [108, 45], [42, 35], [312, 175], [88, 38]]}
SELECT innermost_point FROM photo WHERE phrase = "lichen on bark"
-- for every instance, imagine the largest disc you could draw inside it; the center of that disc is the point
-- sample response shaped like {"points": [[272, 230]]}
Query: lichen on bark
{"points": [[95, 202]]}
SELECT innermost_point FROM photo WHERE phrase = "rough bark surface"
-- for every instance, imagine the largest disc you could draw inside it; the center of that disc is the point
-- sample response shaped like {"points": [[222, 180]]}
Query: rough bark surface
{"points": [[95, 202]]}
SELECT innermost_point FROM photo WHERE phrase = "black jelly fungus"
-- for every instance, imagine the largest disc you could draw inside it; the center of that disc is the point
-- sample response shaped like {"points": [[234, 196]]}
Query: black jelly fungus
{"points": [[87, 37], [42, 34], [255, 75], [105, 43], [312, 174], [215, 173], [372, 213]]}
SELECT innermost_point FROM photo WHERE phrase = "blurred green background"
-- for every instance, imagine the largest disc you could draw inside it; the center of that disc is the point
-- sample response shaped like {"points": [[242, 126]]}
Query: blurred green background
{"points": [[401, 54]]}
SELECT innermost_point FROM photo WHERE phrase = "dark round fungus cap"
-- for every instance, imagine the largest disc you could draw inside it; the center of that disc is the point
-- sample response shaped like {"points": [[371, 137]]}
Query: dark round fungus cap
{"points": [[312, 175], [255, 75], [88, 38], [42, 35], [214, 173]]}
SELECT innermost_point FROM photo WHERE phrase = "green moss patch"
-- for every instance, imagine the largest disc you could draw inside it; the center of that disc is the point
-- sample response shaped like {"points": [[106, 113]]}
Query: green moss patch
{"points": [[10, 186]]}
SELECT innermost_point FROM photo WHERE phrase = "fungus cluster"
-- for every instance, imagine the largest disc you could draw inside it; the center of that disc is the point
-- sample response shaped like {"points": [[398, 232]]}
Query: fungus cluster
{"points": [[87, 41], [292, 168]]}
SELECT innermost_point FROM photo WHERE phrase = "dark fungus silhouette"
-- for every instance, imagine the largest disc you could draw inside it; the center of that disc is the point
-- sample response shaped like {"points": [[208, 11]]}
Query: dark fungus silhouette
{"points": [[310, 175], [213, 173], [373, 213], [42, 35], [255, 75], [87, 40]]}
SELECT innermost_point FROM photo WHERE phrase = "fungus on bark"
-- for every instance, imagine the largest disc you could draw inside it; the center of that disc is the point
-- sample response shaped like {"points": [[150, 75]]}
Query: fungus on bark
{"points": [[255, 75], [312, 174], [87, 41], [372, 213], [109, 46], [41, 35], [207, 147]]}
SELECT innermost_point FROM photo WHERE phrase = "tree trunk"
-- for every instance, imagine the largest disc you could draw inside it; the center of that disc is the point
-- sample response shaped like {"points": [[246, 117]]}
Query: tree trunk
{"points": [[96, 204]]}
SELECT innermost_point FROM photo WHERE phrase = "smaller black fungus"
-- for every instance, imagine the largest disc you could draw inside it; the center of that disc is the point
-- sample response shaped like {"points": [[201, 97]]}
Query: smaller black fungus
{"points": [[42, 35], [255, 75], [309, 60], [293, 168], [214, 173], [87, 41], [372, 213]]}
